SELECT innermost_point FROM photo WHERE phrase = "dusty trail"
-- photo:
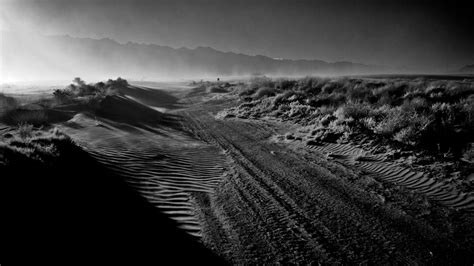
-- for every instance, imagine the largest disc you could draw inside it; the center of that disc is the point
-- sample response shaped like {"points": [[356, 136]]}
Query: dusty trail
{"points": [[252, 200], [278, 207]]}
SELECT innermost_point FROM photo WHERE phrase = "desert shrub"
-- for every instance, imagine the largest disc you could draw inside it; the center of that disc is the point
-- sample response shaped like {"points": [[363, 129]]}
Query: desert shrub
{"points": [[417, 104], [391, 93], [368, 123], [110, 91], [467, 107], [297, 109], [311, 85], [264, 92], [355, 111], [283, 97], [402, 126], [329, 87], [25, 130], [451, 129], [461, 91], [260, 82], [217, 89], [285, 84], [391, 122], [62, 96], [361, 93], [339, 126], [7, 103], [336, 99], [414, 128], [246, 91], [326, 110], [118, 83], [81, 92], [78, 81], [424, 112], [327, 119]]}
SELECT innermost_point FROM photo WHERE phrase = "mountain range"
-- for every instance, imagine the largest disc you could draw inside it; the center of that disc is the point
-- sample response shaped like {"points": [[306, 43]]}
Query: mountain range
{"points": [[468, 69], [34, 57]]}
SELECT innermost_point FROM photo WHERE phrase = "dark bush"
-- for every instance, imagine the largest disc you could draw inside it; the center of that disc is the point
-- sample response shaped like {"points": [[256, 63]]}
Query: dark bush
{"points": [[217, 89], [62, 96], [7, 103], [79, 91], [264, 92]]}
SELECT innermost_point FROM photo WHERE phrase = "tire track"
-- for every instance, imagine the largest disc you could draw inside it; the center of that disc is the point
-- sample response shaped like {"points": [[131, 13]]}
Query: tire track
{"points": [[306, 217]]}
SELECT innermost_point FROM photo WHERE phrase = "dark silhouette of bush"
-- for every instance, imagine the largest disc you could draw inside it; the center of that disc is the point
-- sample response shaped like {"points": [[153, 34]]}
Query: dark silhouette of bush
{"points": [[62, 96], [7, 103], [79, 91], [217, 89]]}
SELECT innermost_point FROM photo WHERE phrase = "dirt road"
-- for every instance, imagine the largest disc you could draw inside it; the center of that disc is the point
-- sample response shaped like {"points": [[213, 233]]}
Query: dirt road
{"points": [[254, 200], [288, 206]]}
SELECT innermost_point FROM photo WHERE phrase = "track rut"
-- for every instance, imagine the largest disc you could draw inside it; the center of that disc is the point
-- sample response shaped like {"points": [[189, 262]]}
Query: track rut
{"points": [[290, 211]]}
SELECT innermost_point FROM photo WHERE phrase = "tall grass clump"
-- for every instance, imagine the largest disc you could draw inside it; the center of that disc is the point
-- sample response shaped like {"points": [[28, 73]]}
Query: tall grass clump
{"points": [[25, 130], [433, 114], [36, 117]]}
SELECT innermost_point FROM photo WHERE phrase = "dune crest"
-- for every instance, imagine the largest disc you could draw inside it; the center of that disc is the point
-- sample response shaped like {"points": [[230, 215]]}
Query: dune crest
{"points": [[148, 149]]}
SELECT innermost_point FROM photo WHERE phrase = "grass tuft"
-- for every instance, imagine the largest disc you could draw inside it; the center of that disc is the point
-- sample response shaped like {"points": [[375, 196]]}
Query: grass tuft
{"points": [[432, 114]]}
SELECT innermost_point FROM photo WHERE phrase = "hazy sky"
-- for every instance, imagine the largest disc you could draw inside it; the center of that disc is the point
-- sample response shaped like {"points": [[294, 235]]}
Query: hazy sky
{"points": [[433, 35]]}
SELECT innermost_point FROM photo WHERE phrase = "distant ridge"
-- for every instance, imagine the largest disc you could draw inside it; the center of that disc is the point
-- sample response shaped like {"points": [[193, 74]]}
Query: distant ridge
{"points": [[41, 56], [467, 69]]}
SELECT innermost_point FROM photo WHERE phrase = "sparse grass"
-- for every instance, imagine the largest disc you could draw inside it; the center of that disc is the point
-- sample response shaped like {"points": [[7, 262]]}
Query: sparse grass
{"points": [[35, 117], [264, 92], [433, 114], [25, 130], [28, 142]]}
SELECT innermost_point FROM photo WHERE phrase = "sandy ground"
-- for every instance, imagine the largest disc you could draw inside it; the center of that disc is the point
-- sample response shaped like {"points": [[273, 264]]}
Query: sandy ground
{"points": [[285, 203], [251, 199]]}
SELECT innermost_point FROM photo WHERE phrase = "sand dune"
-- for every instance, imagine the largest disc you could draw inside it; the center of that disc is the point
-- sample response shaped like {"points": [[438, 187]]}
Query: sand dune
{"points": [[165, 165], [375, 166]]}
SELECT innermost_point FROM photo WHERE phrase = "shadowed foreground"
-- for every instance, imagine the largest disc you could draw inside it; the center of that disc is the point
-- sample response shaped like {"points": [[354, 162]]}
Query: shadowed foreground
{"points": [[74, 207]]}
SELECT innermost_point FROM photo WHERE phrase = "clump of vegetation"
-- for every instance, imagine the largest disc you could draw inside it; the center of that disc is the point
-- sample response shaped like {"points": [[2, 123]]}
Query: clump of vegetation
{"points": [[7, 103], [25, 130], [432, 114], [30, 143], [217, 89], [43, 112], [79, 91]]}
